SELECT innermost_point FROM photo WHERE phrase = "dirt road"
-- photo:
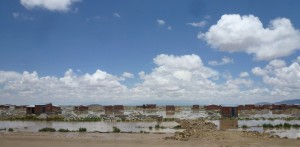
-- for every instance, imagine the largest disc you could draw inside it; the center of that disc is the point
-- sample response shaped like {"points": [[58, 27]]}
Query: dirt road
{"points": [[133, 140]]}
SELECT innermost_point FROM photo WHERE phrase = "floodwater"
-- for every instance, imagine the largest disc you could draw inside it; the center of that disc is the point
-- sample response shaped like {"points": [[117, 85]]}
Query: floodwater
{"points": [[255, 125], [34, 126]]}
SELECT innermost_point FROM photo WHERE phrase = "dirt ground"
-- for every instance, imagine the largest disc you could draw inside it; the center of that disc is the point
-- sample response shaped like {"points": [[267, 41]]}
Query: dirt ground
{"points": [[222, 138]]}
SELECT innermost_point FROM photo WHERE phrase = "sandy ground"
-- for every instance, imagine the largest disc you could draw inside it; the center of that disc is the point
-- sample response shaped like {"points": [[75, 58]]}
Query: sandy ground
{"points": [[225, 138]]}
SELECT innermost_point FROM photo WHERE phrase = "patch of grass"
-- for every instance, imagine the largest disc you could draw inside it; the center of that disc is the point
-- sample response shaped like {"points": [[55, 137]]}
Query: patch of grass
{"points": [[278, 126], [150, 127], [177, 127], [157, 126], [10, 129], [82, 130], [2, 129], [116, 129], [244, 126], [267, 126], [296, 126], [47, 130], [63, 130], [287, 125], [168, 119]]}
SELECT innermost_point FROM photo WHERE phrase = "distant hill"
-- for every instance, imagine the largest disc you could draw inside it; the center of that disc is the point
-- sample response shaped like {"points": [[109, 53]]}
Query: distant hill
{"points": [[289, 102], [262, 103], [293, 101]]}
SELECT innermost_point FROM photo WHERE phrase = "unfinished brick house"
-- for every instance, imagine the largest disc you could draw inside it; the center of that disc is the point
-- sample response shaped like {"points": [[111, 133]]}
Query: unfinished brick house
{"points": [[47, 109], [108, 109], [4, 106], [280, 107], [249, 107], [241, 107], [150, 106], [259, 107], [118, 109], [229, 111], [22, 107], [212, 107], [195, 108], [81, 108], [41, 108], [170, 108], [56, 109]]}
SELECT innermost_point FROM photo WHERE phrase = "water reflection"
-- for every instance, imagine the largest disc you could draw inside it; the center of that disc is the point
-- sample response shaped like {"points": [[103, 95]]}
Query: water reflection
{"points": [[228, 124], [34, 126]]}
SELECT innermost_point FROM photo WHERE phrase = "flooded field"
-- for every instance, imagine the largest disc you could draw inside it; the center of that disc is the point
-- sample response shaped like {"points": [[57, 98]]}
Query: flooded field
{"points": [[34, 126], [256, 125]]}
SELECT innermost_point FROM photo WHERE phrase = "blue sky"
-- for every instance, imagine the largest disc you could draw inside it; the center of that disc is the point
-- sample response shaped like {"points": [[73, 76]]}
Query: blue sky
{"points": [[149, 51]]}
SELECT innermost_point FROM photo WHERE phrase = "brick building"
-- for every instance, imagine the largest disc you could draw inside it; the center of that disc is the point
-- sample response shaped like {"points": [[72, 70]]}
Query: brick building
{"points": [[81, 108], [212, 107], [42, 108], [229, 111]]}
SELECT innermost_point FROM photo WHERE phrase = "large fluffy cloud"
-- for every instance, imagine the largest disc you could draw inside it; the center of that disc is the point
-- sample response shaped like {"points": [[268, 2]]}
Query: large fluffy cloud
{"points": [[235, 33], [278, 74], [31, 88], [174, 78], [282, 78], [52, 5]]}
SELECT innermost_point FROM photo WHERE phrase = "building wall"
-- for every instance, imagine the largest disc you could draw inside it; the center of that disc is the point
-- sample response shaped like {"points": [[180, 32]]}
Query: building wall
{"points": [[170, 108], [212, 107], [195, 108], [229, 112], [108, 109]]}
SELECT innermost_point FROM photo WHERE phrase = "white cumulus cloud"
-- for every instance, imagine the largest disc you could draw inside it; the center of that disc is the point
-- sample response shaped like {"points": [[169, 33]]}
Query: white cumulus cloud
{"points": [[235, 33], [160, 22], [225, 60], [197, 24], [127, 75], [173, 78], [278, 74], [117, 15], [52, 5], [244, 74]]}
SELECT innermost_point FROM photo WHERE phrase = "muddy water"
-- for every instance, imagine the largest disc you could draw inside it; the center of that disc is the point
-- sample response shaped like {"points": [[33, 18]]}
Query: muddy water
{"points": [[255, 125], [34, 126]]}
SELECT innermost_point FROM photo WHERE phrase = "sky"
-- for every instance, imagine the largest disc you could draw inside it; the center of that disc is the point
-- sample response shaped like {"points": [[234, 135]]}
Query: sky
{"points": [[149, 51]]}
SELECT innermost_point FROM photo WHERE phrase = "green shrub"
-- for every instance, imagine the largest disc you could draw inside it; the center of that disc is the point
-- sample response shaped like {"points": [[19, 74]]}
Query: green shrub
{"points": [[296, 126], [278, 126], [82, 130], [10, 129], [177, 127], [157, 126], [244, 126], [47, 130], [63, 130], [150, 127], [287, 125], [267, 126], [116, 129]]}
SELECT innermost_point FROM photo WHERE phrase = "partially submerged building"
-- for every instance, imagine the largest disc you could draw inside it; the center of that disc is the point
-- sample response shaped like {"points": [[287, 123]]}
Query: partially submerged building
{"points": [[212, 107], [81, 108], [42, 108], [4, 106], [118, 109], [109, 109], [195, 108], [229, 111]]}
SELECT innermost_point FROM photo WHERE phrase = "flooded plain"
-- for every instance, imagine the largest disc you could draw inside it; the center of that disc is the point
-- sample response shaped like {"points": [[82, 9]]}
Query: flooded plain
{"points": [[34, 126], [256, 125]]}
